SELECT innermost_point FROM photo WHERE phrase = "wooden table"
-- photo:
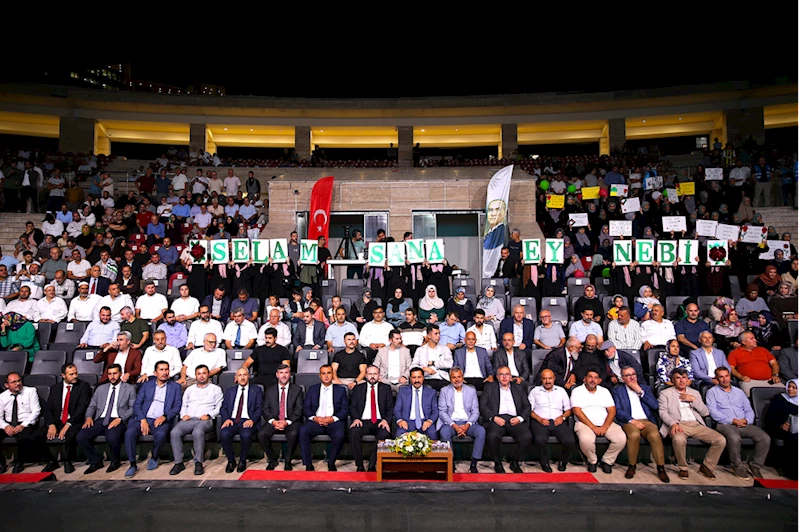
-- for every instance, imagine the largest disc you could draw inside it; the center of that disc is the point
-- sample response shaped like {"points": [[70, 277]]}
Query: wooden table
{"points": [[423, 467]]}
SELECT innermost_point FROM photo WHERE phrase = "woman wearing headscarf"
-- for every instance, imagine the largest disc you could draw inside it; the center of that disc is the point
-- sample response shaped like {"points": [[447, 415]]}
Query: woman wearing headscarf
{"points": [[780, 423], [18, 334], [462, 305], [606, 249], [786, 237], [643, 220], [493, 307], [644, 303], [361, 311], [767, 332], [431, 307], [772, 233], [724, 213], [604, 234], [727, 330], [767, 282], [643, 275], [779, 261], [594, 222], [396, 307], [745, 212], [670, 360], [568, 248], [582, 245], [757, 220], [791, 275], [438, 275], [574, 267], [590, 301]]}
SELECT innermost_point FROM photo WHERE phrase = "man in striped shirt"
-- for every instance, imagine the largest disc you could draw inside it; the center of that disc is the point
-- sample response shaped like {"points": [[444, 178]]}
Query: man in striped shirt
{"points": [[624, 331]]}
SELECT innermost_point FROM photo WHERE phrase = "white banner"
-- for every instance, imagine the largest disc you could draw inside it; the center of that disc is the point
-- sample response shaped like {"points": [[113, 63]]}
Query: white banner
{"points": [[630, 205], [689, 252], [706, 228], [621, 228], [727, 232], [622, 252], [714, 174], [717, 253], [396, 253], [674, 223], [495, 232], [220, 254], [579, 219], [554, 251], [774, 245]]}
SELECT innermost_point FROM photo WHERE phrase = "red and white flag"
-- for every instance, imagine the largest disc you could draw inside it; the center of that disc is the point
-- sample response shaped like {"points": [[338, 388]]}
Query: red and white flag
{"points": [[321, 194]]}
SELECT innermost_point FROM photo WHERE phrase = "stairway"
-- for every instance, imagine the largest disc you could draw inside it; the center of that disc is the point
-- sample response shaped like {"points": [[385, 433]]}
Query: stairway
{"points": [[784, 220], [14, 225]]}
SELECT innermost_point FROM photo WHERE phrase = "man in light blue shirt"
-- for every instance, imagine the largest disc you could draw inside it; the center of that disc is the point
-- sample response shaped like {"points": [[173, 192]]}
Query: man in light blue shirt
{"points": [[581, 329], [248, 214], [181, 211], [452, 332], [100, 332], [64, 215], [334, 337], [176, 333], [729, 407]]}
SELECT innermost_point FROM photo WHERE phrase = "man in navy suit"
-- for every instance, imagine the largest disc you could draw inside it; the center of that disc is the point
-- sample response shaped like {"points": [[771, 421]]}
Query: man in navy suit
{"points": [[521, 327], [506, 411], [97, 283], [372, 411], [157, 405], [636, 412], [283, 415], [224, 304], [326, 410], [240, 414], [413, 414], [310, 334], [474, 361], [64, 414], [615, 360]]}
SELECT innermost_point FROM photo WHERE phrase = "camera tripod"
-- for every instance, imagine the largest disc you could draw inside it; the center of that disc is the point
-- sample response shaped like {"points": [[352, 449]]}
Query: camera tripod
{"points": [[346, 249]]}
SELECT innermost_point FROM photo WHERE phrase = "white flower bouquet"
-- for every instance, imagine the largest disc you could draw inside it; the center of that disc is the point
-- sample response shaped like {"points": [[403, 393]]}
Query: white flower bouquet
{"points": [[412, 444]]}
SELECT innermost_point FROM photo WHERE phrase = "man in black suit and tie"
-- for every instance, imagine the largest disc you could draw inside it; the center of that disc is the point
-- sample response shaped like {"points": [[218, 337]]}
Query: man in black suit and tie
{"points": [[372, 411], [97, 283], [505, 410], [506, 267], [283, 415], [241, 414], [561, 362], [513, 357], [325, 408], [64, 414], [310, 334]]}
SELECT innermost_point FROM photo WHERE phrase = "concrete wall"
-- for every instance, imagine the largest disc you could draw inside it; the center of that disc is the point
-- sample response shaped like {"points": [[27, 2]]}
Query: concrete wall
{"points": [[745, 122], [76, 135]]}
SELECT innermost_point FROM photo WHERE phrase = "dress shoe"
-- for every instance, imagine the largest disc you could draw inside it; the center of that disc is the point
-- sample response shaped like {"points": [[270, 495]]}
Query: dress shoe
{"points": [[606, 468], [271, 466], [177, 468], [332, 467], [50, 467], [152, 464], [288, 466], [198, 468], [684, 474], [562, 466], [592, 468], [630, 471], [662, 475], [113, 466], [310, 468], [19, 467], [515, 467], [473, 469], [498, 467], [546, 467], [242, 466], [68, 467], [703, 470], [360, 469], [92, 468], [756, 472], [130, 472], [741, 472], [231, 467]]}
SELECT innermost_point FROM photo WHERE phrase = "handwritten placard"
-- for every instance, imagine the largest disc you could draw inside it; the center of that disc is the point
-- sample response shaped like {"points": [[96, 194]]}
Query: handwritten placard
{"points": [[555, 201], [619, 190], [714, 174], [621, 228], [578, 219], [630, 205], [727, 232], [753, 234], [686, 189], [674, 223], [774, 245], [706, 228], [590, 193]]}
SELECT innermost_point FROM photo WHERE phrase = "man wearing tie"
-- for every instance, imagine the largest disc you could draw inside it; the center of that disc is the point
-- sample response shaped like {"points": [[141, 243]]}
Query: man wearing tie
{"points": [[157, 405], [506, 266], [416, 407], [64, 413], [240, 333], [241, 414], [19, 418], [98, 284], [506, 411], [283, 415], [109, 411], [372, 410], [458, 412], [326, 409]]}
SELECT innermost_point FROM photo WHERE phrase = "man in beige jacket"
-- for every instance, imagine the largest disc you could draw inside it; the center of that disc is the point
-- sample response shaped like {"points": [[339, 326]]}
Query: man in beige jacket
{"points": [[394, 362]]}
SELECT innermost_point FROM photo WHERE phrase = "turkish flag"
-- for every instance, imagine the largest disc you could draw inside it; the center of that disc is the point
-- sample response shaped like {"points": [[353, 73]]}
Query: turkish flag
{"points": [[319, 223]]}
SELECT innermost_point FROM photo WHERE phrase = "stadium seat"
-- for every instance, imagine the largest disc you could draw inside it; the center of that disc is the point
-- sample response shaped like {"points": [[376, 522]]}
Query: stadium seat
{"points": [[70, 332], [557, 307], [328, 288], [236, 358], [735, 287], [161, 286], [672, 304], [652, 357], [576, 285], [13, 362], [602, 285], [65, 347], [529, 304], [88, 369], [308, 363], [705, 302], [467, 282], [45, 332], [497, 282], [537, 360], [761, 398]]}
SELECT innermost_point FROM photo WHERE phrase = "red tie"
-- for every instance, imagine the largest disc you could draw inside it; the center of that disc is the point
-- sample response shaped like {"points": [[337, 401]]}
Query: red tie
{"points": [[65, 410], [94, 287], [282, 415], [374, 405]]}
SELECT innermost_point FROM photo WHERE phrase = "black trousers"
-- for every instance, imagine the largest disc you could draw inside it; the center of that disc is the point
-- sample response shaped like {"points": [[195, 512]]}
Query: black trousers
{"points": [[70, 452], [368, 428], [24, 194], [370, 354], [477, 382], [437, 384], [563, 432], [494, 433], [113, 439], [30, 446], [265, 438]]}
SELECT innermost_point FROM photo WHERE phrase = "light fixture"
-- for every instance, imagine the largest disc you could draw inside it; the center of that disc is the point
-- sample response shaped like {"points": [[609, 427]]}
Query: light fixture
{"points": [[251, 129], [321, 131], [644, 120], [225, 129], [456, 129], [680, 118], [280, 130], [423, 131]]}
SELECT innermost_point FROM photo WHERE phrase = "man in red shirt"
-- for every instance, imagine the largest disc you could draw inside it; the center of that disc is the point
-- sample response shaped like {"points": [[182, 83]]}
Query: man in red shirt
{"points": [[753, 366], [146, 182]]}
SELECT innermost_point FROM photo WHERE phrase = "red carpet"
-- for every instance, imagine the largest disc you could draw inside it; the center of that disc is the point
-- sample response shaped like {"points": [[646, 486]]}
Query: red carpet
{"points": [[326, 476], [26, 477], [776, 484]]}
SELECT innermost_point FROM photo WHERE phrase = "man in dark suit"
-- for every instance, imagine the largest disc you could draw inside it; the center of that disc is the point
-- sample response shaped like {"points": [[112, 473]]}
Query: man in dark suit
{"points": [[283, 415], [97, 283], [506, 267], [157, 406], [473, 361], [372, 411], [325, 408], [412, 414], [224, 304], [561, 362], [113, 397], [241, 414], [510, 416], [615, 360], [134, 262], [128, 283], [310, 334], [64, 414], [517, 360], [518, 323]]}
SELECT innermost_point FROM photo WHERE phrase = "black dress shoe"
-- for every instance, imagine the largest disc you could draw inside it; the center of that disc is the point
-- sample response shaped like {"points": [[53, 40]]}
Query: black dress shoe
{"points": [[514, 466], [606, 468], [92, 468], [310, 468], [271, 466], [19, 467], [371, 469], [562, 466], [68, 467], [198, 468], [332, 467], [630, 471], [231, 467], [592, 468], [360, 469], [546, 467], [498, 467], [288, 466], [113, 466], [242, 466], [176, 469], [473, 469], [50, 467]]}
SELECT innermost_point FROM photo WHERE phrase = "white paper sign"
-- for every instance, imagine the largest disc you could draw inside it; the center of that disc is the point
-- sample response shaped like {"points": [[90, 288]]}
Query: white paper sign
{"points": [[654, 182], [752, 234], [689, 252], [396, 253], [259, 250], [774, 245], [531, 249], [578, 219], [554, 251], [667, 252], [645, 251], [623, 252], [414, 250], [706, 228], [621, 228], [435, 250], [204, 244], [309, 251], [377, 254], [727, 232], [674, 223], [220, 254], [279, 250], [715, 247], [241, 249], [714, 174], [630, 205], [671, 195]]}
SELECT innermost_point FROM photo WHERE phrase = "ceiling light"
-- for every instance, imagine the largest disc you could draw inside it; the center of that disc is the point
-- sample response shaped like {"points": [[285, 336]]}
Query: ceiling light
{"points": [[321, 131], [423, 131], [456, 129], [225, 129], [251, 129], [644, 120], [680, 118]]}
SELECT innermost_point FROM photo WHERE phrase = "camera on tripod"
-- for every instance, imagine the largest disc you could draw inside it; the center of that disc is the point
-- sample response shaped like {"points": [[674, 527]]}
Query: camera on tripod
{"points": [[346, 230]]}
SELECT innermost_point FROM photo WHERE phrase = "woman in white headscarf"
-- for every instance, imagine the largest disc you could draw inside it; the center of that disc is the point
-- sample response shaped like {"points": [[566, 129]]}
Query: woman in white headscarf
{"points": [[644, 303], [493, 307], [431, 307], [781, 424]]}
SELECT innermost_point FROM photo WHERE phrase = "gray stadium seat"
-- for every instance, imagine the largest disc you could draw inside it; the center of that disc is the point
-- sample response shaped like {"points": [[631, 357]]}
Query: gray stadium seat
{"points": [[735, 287], [67, 348], [538, 359], [497, 282], [761, 397], [705, 302], [328, 287], [176, 284], [467, 282], [236, 358], [70, 332], [160, 286], [88, 370], [607, 301], [575, 285], [13, 362], [45, 332], [529, 304], [672, 304], [308, 363], [602, 285], [557, 307]]}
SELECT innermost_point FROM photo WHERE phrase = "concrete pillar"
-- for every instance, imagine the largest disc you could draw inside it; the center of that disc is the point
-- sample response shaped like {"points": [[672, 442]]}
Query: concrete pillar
{"points": [[76, 135], [509, 140], [405, 146], [617, 134], [302, 142], [210, 144], [102, 142], [745, 122], [197, 137]]}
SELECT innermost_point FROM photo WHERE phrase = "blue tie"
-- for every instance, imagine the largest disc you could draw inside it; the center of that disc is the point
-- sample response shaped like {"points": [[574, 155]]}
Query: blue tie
{"points": [[419, 409], [237, 343]]}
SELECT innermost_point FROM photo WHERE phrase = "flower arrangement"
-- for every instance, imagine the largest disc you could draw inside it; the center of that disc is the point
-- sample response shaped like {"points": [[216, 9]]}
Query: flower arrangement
{"points": [[198, 253], [717, 254], [412, 444]]}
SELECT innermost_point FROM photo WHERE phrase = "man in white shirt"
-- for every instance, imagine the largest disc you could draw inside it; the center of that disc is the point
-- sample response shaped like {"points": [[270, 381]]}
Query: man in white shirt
{"points": [[657, 331], [179, 182], [151, 306], [78, 269], [32, 279], [283, 330], [550, 409], [159, 352], [326, 411], [186, 308], [486, 337], [202, 221], [232, 184], [200, 328], [23, 304], [434, 359], [239, 333], [248, 214], [201, 405], [586, 326], [394, 362], [199, 183], [209, 354], [19, 419], [374, 334], [75, 227], [50, 309], [100, 332], [82, 307], [155, 269], [594, 409], [116, 301], [739, 175], [231, 209], [215, 184], [624, 331]]}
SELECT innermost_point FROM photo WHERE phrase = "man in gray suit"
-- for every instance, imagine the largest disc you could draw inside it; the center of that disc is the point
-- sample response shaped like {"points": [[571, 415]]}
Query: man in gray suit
{"points": [[516, 359], [474, 361], [394, 362], [458, 411], [682, 411], [705, 359], [109, 411]]}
